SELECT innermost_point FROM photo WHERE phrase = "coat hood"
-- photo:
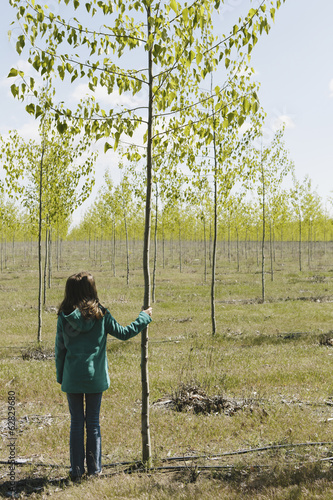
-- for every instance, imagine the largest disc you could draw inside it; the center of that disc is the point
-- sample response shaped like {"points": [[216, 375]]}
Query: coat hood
{"points": [[78, 322]]}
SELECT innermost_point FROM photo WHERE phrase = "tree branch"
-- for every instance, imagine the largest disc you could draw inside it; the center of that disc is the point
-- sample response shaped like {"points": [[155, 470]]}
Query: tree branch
{"points": [[81, 30]]}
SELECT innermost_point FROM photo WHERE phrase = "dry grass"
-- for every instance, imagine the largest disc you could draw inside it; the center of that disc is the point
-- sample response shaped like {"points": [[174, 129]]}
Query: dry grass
{"points": [[273, 356]]}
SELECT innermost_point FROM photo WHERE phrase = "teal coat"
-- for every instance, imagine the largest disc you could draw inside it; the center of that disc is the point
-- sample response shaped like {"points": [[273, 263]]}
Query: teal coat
{"points": [[80, 349]]}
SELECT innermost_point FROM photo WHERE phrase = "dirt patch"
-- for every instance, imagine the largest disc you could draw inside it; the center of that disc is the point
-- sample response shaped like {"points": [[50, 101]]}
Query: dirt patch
{"points": [[193, 398]]}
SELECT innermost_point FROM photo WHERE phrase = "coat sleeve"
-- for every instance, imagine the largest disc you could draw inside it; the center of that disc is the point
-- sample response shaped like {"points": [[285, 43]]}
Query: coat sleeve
{"points": [[60, 351], [126, 332]]}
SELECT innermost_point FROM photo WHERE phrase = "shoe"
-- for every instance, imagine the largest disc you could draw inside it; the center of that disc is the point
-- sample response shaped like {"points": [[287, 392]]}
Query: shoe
{"points": [[95, 474], [75, 479]]}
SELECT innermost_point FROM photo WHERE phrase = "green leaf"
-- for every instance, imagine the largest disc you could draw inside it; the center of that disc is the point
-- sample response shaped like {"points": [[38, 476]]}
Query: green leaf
{"points": [[247, 105], [30, 108], [174, 6], [198, 58], [13, 72], [39, 111], [241, 120], [61, 127], [230, 117], [107, 146], [14, 90], [20, 44], [116, 140]]}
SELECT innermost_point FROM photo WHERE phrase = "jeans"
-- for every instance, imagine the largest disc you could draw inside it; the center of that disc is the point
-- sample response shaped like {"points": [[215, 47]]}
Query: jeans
{"points": [[76, 441]]}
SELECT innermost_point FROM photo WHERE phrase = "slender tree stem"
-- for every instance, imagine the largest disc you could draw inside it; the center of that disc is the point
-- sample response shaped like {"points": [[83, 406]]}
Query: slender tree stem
{"points": [[145, 427], [263, 233], [214, 242], [155, 244], [40, 271]]}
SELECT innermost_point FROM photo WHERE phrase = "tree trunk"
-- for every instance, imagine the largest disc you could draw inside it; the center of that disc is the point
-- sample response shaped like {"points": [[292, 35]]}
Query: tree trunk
{"points": [[180, 249], [281, 242], [155, 246], [145, 427], [271, 249], [89, 245], [212, 298], [45, 264], [229, 240], [5, 251], [237, 248], [309, 245], [58, 251], [263, 236], [205, 247], [1, 253], [101, 250], [127, 244], [50, 259], [95, 249], [210, 243], [300, 243], [257, 246], [163, 245], [40, 287], [114, 248], [60, 246], [13, 249]]}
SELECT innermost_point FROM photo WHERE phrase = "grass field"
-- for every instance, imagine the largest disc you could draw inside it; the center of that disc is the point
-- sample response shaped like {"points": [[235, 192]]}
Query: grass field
{"points": [[269, 367]]}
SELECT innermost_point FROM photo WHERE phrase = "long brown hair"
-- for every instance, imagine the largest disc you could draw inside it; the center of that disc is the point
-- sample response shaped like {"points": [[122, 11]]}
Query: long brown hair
{"points": [[81, 293]]}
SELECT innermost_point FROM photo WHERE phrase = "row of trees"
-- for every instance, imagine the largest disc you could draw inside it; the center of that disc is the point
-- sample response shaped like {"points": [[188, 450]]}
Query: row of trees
{"points": [[294, 214]]}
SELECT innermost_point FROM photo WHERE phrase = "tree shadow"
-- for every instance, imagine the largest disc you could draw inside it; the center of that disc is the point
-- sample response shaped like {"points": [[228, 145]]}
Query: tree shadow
{"points": [[28, 486], [255, 479]]}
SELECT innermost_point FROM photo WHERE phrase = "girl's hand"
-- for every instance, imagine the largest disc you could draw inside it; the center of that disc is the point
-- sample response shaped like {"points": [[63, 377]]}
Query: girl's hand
{"points": [[148, 311]]}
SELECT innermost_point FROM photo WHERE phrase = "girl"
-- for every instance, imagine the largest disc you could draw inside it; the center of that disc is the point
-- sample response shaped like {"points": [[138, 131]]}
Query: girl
{"points": [[82, 367]]}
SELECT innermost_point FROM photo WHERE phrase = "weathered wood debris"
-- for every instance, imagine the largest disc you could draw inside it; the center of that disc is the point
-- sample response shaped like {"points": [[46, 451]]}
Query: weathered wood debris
{"points": [[193, 398]]}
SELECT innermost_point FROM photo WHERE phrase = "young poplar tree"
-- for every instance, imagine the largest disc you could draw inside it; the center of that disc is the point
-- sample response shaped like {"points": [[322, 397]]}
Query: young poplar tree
{"points": [[200, 197], [271, 164], [225, 146], [306, 205], [172, 42], [124, 193], [10, 221], [51, 177]]}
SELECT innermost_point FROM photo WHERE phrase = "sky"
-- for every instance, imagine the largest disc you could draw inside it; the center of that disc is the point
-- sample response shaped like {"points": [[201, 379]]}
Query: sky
{"points": [[294, 65]]}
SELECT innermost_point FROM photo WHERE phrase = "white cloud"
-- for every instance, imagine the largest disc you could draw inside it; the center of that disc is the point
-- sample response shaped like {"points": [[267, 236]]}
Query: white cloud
{"points": [[29, 130], [24, 65], [29, 71], [331, 88], [5, 83], [285, 120], [244, 127], [101, 95]]}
